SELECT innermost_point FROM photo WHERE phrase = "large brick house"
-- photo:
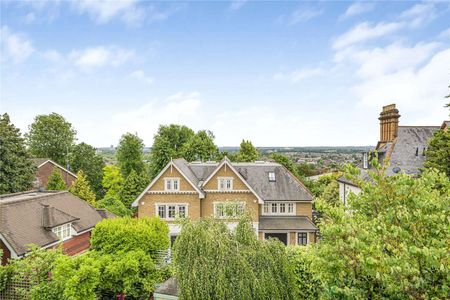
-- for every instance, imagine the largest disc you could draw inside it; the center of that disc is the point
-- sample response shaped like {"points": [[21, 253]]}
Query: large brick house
{"points": [[45, 167], [46, 219], [404, 147], [278, 203]]}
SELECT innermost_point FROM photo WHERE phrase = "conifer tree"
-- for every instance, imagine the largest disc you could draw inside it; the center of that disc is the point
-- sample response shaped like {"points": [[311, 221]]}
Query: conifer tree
{"points": [[56, 181], [132, 187], [16, 169], [80, 188], [112, 181]]}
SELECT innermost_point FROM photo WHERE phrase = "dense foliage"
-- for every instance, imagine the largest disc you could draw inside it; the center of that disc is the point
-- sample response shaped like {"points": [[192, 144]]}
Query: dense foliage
{"points": [[112, 181], [84, 157], [16, 169], [438, 152], [80, 188], [114, 205], [247, 152], [117, 235], [56, 181], [51, 136], [212, 262], [130, 154], [391, 241], [200, 146], [300, 258], [286, 162], [134, 185]]}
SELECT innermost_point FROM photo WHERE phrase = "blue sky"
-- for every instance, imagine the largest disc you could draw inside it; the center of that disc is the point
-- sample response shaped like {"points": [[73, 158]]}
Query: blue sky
{"points": [[277, 73]]}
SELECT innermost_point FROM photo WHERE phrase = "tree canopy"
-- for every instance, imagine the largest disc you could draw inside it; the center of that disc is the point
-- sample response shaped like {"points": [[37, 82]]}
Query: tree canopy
{"points": [[286, 162], [17, 172], [390, 242], [84, 157], [212, 262], [134, 185], [200, 146], [56, 181], [51, 136], [114, 205], [438, 152], [247, 152], [112, 181], [80, 188], [130, 154]]}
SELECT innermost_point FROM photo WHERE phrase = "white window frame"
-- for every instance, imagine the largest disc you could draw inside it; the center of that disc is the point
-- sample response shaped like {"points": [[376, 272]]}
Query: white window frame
{"points": [[225, 181], [166, 210], [64, 231], [240, 209], [275, 208], [170, 182], [272, 177], [296, 238]]}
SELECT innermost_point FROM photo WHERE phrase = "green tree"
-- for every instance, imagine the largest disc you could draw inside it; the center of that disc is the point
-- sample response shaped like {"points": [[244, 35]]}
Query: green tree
{"points": [[300, 258], [80, 188], [130, 155], [56, 181], [114, 205], [16, 169], [391, 241], [120, 235], [84, 157], [167, 144], [200, 146], [247, 152], [112, 181], [438, 152], [51, 136], [134, 185], [212, 262], [286, 162]]}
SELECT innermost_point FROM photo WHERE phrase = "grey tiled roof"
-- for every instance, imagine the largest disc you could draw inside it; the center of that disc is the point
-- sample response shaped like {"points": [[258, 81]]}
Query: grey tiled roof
{"points": [[286, 223], [52, 217], [256, 174], [21, 217], [411, 140], [169, 287]]}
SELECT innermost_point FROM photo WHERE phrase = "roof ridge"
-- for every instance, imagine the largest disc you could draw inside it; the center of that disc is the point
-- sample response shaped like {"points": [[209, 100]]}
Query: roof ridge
{"points": [[5, 200]]}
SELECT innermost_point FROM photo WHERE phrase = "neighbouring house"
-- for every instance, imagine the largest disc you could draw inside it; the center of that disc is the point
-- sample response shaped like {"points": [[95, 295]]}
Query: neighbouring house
{"points": [[48, 220], [278, 203], [45, 168], [404, 147], [168, 290]]}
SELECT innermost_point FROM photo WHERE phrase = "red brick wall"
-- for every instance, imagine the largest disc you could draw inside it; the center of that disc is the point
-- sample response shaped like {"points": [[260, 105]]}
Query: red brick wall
{"points": [[6, 253], [44, 172], [77, 244]]}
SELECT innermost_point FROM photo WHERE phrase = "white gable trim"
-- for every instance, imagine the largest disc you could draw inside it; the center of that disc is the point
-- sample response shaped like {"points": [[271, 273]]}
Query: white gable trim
{"points": [[59, 166], [170, 164], [226, 161]]}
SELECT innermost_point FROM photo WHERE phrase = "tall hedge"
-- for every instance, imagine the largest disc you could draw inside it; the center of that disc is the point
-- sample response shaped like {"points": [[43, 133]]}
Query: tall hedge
{"points": [[129, 234]]}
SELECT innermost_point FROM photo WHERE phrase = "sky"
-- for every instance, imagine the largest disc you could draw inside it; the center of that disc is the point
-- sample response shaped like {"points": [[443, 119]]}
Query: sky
{"points": [[276, 73]]}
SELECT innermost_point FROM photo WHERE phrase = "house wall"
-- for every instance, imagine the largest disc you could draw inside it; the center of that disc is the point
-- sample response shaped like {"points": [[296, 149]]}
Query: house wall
{"points": [[44, 172], [304, 209], [172, 172], [251, 203], [76, 244], [6, 253], [149, 200], [345, 189], [225, 171]]}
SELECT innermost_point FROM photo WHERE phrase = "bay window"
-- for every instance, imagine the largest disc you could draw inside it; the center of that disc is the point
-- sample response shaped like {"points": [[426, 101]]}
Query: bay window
{"points": [[278, 208]]}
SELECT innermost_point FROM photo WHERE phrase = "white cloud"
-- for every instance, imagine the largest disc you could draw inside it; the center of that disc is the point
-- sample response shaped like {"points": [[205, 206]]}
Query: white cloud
{"points": [[357, 8], [141, 76], [445, 34], [237, 4], [419, 14], [303, 15], [14, 46], [103, 11], [95, 57], [299, 75], [364, 31]]}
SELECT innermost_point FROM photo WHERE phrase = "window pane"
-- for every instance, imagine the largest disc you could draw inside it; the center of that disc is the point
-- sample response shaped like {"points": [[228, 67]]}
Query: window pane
{"points": [[274, 207], [290, 208], [266, 208], [302, 238], [171, 212], [175, 184], [282, 207], [162, 211], [168, 184], [182, 211], [271, 176], [228, 184], [240, 208]]}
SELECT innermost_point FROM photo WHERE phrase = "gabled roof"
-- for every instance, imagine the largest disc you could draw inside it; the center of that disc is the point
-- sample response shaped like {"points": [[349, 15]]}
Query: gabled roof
{"points": [[179, 166], [255, 175], [21, 217], [52, 217], [39, 162]]}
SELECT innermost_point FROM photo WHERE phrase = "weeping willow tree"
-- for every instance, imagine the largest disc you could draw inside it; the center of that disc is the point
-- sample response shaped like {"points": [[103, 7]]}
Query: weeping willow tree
{"points": [[212, 262]]}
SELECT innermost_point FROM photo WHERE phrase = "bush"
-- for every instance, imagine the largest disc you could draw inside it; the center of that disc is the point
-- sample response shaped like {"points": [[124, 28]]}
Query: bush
{"points": [[114, 205], [118, 235], [300, 259]]}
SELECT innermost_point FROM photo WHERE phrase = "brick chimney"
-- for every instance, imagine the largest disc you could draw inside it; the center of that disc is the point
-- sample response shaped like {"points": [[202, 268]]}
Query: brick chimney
{"points": [[388, 123]]}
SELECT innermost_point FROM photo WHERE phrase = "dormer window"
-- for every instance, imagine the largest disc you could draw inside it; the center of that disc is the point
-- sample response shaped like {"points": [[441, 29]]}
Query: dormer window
{"points": [[172, 184], [225, 183], [63, 231], [272, 177]]}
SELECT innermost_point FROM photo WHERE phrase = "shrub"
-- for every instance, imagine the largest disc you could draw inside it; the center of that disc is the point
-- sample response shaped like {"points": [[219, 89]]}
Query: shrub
{"points": [[300, 258]]}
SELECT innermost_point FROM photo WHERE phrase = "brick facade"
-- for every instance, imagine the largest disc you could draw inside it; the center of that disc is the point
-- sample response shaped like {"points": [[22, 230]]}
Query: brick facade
{"points": [[44, 172], [77, 244], [6, 253]]}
